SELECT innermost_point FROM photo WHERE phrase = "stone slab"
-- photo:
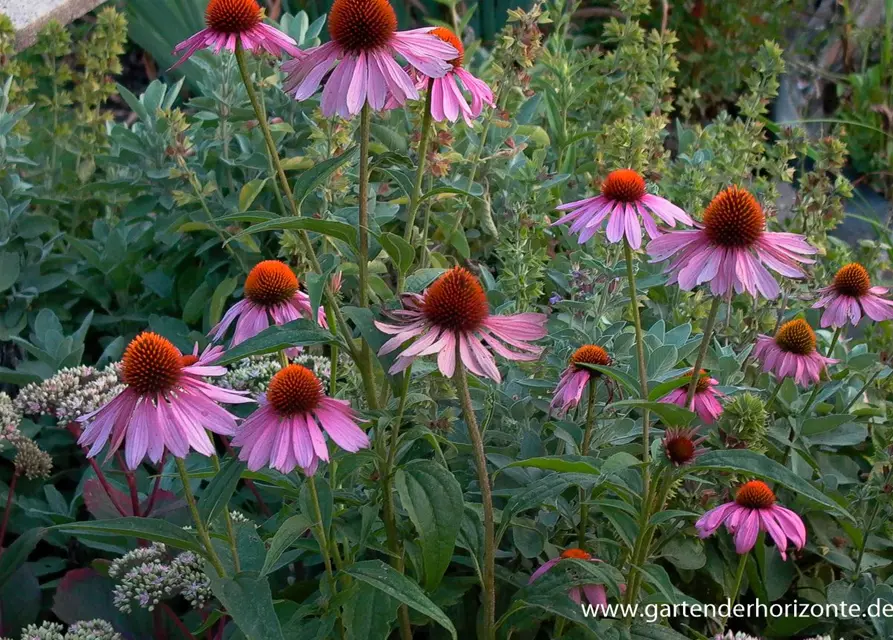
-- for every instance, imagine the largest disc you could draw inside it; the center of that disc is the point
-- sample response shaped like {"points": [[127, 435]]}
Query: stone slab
{"points": [[30, 16]]}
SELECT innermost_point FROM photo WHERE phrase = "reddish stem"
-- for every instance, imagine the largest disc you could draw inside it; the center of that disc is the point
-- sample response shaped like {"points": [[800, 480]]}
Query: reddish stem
{"points": [[131, 484], [176, 620], [264, 509], [158, 625], [105, 485], [154, 495], [12, 490]]}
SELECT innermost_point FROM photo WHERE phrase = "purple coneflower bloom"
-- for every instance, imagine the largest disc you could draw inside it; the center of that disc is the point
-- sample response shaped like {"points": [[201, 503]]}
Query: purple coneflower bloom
{"points": [[705, 402], [360, 57], [851, 295], [624, 197], [792, 353], [453, 313], [730, 248], [231, 21], [166, 404], [287, 430], [755, 510], [271, 293], [574, 379], [595, 594]]}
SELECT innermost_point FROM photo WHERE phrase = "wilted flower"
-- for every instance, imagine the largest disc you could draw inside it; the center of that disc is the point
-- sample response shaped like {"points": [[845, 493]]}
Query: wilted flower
{"points": [[453, 314], [574, 379], [271, 292], [624, 198], [792, 353], [360, 56], [595, 593], [166, 405], [681, 445], [755, 510], [231, 21], [284, 432], [730, 248], [704, 403], [851, 295]]}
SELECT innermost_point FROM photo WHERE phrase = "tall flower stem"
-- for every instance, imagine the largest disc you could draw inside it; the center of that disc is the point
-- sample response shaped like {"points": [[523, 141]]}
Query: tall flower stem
{"points": [[200, 527], [387, 496], [702, 351], [869, 526], [834, 339], [363, 237], [9, 495], [364, 367], [739, 576], [321, 531], [774, 393], [230, 531], [488, 572], [584, 450], [419, 176]]}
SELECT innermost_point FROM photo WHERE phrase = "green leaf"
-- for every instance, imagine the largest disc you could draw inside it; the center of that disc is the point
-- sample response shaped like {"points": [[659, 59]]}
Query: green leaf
{"points": [[16, 554], [245, 216], [217, 494], [331, 228], [563, 464], [755, 464], [318, 174], [297, 333], [671, 415], [629, 383], [400, 251], [446, 191], [419, 281], [396, 585], [9, 269], [368, 613], [290, 531], [664, 388], [248, 600], [654, 632], [249, 193], [814, 426], [433, 498], [219, 298], [146, 528]]}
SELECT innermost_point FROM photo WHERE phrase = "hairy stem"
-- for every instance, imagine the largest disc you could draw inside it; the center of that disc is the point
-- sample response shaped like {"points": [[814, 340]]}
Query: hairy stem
{"points": [[733, 596], [702, 351], [584, 450], [480, 460], [200, 526], [321, 531], [230, 531]]}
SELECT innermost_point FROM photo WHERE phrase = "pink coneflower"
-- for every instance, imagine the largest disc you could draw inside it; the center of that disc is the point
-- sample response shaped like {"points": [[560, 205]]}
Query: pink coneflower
{"points": [[231, 21], [360, 57], [595, 593], [730, 247], [453, 312], [755, 510], [166, 404], [284, 432], [624, 198], [792, 353], [851, 295], [575, 378], [447, 100], [271, 292], [682, 445], [705, 402]]}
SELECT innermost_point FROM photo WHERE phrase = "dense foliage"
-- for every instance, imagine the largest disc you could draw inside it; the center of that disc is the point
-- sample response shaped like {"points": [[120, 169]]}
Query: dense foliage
{"points": [[302, 368]]}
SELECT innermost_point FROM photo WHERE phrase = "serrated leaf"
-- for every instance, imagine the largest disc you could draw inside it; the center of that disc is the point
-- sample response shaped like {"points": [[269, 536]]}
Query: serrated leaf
{"points": [[290, 531], [318, 174]]}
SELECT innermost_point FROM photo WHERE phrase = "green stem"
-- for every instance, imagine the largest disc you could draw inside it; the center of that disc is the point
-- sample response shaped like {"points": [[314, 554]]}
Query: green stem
{"points": [[365, 364], [868, 527], [200, 527], [420, 171], [426, 225], [775, 391], [321, 531], [480, 458], [365, 371], [834, 340], [230, 530], [584, 450], [861, 391], [733, 596], [702, 351]]}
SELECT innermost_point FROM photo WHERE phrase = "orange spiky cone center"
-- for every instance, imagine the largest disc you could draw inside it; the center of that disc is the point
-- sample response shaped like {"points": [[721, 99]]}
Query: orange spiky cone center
{"points": [[233, 16], [362, 25], [456, 301], [293, 390], [151, 364], [734, 219], [755, 494], [451, 38], [590, 354], [575, 554], [703, 382], [852, 280], [796, 337], [270, 282], [624, 185]]}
